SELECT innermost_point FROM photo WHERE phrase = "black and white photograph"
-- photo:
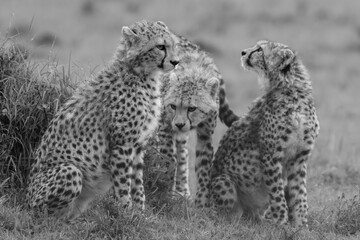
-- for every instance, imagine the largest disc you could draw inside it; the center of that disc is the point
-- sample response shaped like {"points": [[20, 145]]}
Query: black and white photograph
{"points": [[180, 119]]}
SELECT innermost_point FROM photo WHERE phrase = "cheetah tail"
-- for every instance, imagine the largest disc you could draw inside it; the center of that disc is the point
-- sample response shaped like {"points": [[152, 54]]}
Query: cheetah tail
{"points": [[226, 115]]}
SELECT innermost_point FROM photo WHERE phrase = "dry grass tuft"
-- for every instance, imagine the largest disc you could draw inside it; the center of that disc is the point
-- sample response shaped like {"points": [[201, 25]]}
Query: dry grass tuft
{"points": [[347, 218]]}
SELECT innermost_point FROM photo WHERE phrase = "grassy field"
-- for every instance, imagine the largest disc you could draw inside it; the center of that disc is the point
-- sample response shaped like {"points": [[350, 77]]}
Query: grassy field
{"points": [[68, 41]]}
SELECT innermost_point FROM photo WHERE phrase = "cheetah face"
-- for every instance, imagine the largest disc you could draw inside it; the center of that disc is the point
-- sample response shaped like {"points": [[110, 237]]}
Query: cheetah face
{"points": [[152, 44], [187, 102], [182, 115], [267, 57]]}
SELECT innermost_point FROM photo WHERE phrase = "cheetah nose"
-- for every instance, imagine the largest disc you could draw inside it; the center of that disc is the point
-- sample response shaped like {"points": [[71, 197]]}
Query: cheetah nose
{"points": [[243, 53], [174, 62], [180, 125]]}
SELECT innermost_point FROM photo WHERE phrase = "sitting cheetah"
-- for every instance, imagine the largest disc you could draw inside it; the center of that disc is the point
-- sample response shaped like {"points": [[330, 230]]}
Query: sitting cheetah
{"points": [[260, 166], [95, 141], [191, 95]]}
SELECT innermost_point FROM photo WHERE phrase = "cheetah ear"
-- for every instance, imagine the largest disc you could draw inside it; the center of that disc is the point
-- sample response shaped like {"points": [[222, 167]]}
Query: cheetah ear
{"points": [[287, 56], [127, 32], [161, 24], [173, 77], [129, 36], [212, 85]]}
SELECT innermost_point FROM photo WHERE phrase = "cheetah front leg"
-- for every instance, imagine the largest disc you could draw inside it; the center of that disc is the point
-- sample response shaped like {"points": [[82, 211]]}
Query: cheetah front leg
{"points": [[121, 162], [204, 155], [277, 211], [297, 195], [137, 183], [182, 171]]}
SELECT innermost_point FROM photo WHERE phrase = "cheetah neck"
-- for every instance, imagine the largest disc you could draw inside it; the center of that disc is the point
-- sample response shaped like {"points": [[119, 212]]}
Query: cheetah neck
{"points": [[264, 83], [136, 68], [296, 77], [156, 75]]}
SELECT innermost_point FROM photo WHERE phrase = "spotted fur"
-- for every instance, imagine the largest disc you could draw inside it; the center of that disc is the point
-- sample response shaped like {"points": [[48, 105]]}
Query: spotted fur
{"points": [[95, 141], [260, 166], [226, 114], [190, 105]]}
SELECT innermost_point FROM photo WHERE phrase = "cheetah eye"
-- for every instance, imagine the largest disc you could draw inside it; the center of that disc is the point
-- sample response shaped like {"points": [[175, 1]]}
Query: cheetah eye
{"points": [[160, 47], [191, 109], [258, 50], [173, 106]]}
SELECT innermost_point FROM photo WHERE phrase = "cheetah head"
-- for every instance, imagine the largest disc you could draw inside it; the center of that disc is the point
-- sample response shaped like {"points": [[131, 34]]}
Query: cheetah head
{"points": [[151, 43], [189, 99], [268, 59]]}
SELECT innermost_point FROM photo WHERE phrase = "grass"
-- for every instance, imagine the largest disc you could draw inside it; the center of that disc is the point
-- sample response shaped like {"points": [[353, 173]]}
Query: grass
{"points": [[33, 86], [177, 220], [28, 103]]}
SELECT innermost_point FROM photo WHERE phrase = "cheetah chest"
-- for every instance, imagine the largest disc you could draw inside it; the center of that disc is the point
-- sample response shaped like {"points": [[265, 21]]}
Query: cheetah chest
{"points": [[295, 140], [152, 115], [150, 123]]}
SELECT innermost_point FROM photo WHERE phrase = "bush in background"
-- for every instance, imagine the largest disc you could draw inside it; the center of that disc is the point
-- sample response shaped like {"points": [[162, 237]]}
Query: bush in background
{"points": [[30, 95]]}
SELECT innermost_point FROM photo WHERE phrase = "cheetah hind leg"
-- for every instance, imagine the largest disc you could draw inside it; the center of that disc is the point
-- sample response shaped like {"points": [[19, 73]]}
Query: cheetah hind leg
{"points": [[224, 196], [56, 190], [137, 182]]}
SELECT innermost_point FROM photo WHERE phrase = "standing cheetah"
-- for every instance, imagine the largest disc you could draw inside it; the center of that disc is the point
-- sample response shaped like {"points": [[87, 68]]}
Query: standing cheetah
{"points": [[190, 97], [194, 95], [95, 141], [260, 165]]}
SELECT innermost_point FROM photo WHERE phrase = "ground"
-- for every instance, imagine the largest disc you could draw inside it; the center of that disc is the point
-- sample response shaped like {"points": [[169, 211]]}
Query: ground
{"points": [[83, 35]]}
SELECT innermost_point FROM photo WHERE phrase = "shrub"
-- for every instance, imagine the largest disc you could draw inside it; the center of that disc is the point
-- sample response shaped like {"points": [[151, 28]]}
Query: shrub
{"points": [[29, 97], [156, 181]]}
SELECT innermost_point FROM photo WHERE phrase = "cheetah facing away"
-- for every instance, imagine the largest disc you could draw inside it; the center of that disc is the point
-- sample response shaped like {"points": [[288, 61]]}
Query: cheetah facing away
{"points": [[260, 165], [95, 141]]}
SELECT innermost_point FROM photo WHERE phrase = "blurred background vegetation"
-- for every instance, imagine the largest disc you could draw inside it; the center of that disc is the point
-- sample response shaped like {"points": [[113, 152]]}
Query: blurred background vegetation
{"points": [[64, 42]]}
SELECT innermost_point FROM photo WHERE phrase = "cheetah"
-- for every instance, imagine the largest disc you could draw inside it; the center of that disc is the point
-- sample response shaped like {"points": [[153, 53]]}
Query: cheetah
{"points": [[260, 165], [193, 97], [95, 142], [190, 96]]}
